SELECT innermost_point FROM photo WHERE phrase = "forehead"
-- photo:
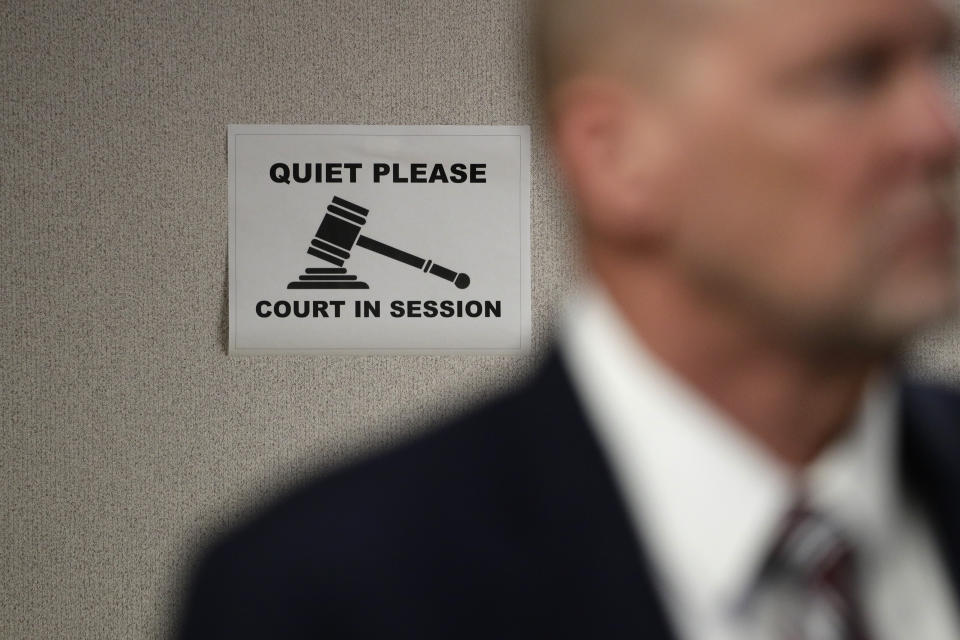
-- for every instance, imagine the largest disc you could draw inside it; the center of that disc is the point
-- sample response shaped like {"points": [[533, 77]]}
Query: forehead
{"points": [[794, 28]]}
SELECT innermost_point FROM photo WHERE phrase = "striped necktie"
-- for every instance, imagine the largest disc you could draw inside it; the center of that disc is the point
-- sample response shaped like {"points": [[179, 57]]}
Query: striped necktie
{"points": [[815, 559]]}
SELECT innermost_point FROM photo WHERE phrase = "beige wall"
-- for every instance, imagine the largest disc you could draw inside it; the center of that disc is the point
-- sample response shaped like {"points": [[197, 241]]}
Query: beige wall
{"points": [[127, 432]]}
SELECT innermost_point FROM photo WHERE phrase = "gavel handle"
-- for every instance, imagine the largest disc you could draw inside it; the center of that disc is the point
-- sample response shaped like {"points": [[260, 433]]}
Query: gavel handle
{"points": [[462, 280]]}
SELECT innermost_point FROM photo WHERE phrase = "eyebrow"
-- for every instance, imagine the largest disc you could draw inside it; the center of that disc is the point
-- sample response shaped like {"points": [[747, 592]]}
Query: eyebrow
{"points": [[938, 33]]}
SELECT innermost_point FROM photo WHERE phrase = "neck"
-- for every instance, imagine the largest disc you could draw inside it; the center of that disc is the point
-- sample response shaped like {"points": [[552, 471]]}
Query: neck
{"points": [[792, 401]]}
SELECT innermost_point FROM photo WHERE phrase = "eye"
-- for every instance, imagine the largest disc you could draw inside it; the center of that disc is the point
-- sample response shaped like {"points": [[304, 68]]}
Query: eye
{"points": [[858, 72]]}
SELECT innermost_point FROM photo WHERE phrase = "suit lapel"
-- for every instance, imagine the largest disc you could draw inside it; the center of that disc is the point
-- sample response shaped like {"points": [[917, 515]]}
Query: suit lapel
{"points": [[602, 580], [930, 460]]}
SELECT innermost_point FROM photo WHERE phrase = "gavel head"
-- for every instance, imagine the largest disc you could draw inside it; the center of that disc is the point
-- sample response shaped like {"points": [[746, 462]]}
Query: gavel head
{"points": [[338, 231]]}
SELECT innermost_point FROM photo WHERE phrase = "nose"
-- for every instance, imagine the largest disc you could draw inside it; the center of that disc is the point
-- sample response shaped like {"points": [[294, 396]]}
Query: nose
{"points": [[931, 119]]}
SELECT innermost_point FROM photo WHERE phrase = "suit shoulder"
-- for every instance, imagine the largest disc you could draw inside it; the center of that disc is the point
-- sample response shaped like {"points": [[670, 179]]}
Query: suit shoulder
{"points": [[455, 475], [931, 416], [935, 403], [457, 500]]}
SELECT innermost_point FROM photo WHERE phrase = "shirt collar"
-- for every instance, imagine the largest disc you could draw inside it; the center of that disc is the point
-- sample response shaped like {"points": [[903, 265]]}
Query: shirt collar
{"points": [[855, 481], [704, 496]]}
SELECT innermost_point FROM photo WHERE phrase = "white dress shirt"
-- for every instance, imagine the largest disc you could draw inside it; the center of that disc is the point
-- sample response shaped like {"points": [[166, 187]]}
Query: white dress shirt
{"points": [[705, 498]]}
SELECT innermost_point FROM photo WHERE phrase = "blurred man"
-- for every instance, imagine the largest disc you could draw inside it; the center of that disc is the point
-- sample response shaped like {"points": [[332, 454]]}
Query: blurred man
{"points": [[721, 448]]}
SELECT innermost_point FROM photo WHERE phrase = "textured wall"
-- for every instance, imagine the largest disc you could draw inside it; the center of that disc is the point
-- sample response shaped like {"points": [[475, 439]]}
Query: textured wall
{"points": [[127, 432]]}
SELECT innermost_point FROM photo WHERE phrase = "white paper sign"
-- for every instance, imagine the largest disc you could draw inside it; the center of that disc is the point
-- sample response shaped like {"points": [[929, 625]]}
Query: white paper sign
{"points": [[379, 239]]}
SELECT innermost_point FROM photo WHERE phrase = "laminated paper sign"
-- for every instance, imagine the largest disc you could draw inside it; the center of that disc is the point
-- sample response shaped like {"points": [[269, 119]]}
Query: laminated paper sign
{"points": [[379, 239]]}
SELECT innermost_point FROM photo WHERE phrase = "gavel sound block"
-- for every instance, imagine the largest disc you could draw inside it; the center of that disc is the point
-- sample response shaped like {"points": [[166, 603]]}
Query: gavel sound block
{"points": [[339, 233]]}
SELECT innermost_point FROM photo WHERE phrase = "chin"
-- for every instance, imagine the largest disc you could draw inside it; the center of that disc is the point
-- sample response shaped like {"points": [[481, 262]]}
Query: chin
{"points": [[918, 307]]}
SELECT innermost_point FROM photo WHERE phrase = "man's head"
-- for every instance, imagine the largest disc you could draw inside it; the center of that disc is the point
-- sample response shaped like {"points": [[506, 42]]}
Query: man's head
{"points": [[790, 162]]}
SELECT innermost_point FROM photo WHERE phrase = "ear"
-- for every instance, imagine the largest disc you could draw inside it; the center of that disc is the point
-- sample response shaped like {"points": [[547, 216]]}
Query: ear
{"points": [[605, 140]]}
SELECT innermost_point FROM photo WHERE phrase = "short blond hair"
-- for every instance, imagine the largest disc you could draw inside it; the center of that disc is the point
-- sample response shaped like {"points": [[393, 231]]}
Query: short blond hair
{"points": [[626, 36]]}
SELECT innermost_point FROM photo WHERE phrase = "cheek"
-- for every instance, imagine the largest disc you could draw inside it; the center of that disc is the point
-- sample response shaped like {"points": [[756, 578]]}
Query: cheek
{"points": [[777, 200], [830, 197], [834, 215]]}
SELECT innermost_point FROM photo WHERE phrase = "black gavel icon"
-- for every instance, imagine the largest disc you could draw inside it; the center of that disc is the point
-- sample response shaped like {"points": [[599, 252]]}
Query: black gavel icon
{"points": [[339, 232]]}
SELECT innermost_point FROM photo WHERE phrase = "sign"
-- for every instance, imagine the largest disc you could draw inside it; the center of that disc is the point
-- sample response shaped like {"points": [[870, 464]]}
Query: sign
{"points": [[360, 239]]}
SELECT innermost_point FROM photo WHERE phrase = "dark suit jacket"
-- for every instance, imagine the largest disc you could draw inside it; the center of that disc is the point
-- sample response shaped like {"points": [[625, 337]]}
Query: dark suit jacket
{"points": [[503, 524]]}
